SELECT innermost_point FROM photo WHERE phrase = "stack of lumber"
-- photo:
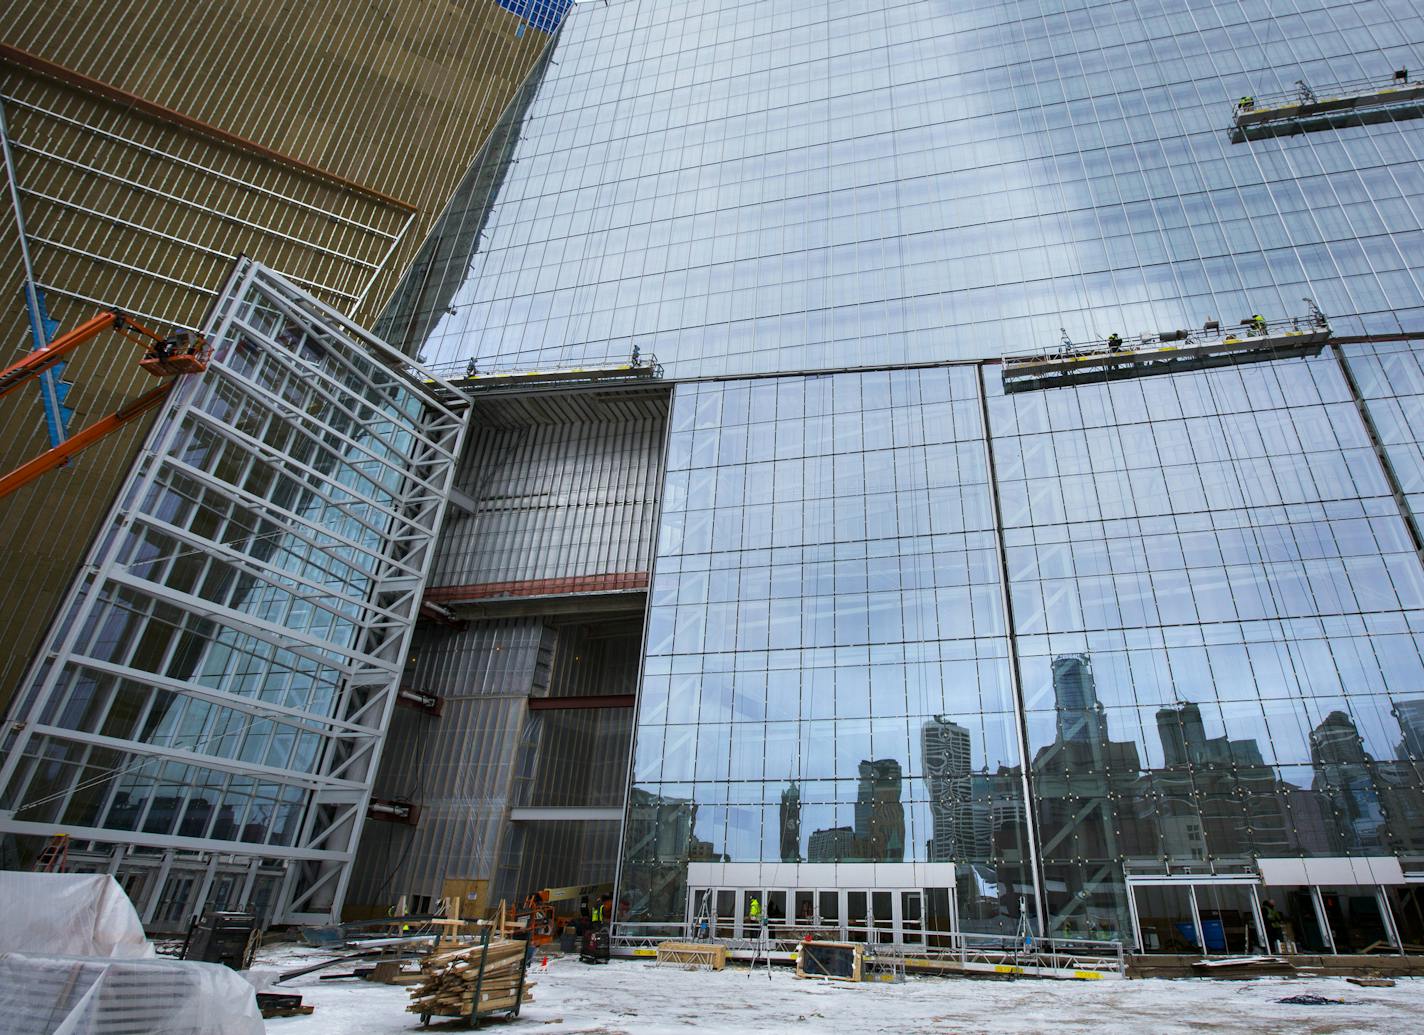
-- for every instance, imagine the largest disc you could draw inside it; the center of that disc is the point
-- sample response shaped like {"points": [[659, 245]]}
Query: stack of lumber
{"points": [[449, 979], [692, 955]]}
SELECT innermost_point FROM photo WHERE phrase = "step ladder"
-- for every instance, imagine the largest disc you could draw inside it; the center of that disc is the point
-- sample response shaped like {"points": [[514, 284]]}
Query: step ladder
{"points": [[54, 856]]}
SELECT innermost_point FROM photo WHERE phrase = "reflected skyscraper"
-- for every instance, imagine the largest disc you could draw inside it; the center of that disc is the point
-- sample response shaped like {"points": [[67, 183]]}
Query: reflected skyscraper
{"points": [[790, 824], [1344, 777], [880, 811], [961, 826]]}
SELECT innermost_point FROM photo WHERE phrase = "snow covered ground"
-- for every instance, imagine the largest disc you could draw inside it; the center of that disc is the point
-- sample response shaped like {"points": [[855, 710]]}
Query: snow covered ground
{"points": [[638, 998]]}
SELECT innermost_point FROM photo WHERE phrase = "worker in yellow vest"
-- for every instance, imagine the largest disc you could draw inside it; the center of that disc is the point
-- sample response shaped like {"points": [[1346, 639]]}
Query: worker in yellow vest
{"points": [[754, 910]]}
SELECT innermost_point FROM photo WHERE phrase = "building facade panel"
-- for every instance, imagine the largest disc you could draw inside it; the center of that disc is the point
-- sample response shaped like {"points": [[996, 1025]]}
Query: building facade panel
{"points": [[555, 502]]}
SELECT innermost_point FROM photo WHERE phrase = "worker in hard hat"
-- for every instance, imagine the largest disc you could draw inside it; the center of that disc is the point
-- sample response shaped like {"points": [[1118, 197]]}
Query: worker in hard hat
{"points": [[1246, 103], [1258, 325], [754, 911], [1114, 342]]}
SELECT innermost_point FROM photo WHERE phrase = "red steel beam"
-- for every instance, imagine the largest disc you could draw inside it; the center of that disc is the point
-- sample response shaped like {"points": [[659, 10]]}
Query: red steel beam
{"points": [[562, 704], [611, 582]]}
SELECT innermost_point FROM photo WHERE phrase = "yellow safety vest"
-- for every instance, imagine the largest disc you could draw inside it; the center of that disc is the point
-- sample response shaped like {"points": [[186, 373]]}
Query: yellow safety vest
{"points": [[755, 909]]}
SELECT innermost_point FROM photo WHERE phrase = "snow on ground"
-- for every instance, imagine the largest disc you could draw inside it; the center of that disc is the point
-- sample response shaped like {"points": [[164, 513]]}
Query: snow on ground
{"points": [[637, 998]]}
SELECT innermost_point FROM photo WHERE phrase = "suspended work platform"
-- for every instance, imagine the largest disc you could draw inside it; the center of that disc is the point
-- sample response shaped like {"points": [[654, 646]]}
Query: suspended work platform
{"points": [[1164, 353], [470, 377], [1305, 102]]}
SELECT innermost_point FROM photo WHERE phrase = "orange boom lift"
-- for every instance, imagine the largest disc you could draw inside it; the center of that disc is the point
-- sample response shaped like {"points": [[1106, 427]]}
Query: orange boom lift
{"points": [[180, 353]]}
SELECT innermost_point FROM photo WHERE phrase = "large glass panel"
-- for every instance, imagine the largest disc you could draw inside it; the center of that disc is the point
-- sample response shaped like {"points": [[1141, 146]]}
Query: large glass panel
{"points": [[1223, 665], [850, 699]]}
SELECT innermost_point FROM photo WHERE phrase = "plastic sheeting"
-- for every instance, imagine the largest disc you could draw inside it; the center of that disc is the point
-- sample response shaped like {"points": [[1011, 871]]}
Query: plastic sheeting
{"points": [[69, 914], [67, 995]]}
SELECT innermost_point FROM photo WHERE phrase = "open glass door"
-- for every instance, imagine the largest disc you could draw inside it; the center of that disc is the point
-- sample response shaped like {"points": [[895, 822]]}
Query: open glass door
{"points": [[912, 918], [726, 913], [882, 906], [857, 921]]}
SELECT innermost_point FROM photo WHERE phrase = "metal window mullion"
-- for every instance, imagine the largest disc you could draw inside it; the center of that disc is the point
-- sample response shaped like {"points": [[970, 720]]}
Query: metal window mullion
{"points": [[276, 405], [1010, 636], [145, 188], [103, 304], [183, 756], [231, 512], [381, 266], [316, 722], [268, 574], [454, 404], [245, 440], [198, 288], [277, 635], [141, 839], [307, 531], [86, 592], [303, 371]]}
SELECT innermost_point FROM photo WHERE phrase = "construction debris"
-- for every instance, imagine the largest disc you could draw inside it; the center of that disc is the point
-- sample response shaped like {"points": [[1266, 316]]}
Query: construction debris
{"points": [[473, 981], [1371, 982], [1310, 999], [282, 1004]]}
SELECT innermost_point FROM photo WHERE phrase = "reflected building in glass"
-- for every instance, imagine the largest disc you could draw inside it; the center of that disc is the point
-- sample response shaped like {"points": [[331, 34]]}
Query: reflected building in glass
{"points": [[927, 649]]}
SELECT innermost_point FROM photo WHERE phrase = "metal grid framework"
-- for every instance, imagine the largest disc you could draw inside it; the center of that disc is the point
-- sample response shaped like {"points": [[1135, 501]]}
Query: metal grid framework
{"points": [[223, 672], [147, 202]]}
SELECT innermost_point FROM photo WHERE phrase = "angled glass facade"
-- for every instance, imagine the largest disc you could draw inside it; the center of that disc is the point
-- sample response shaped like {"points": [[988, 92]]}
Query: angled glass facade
{"points": [[1125, 657], [738, 186]]}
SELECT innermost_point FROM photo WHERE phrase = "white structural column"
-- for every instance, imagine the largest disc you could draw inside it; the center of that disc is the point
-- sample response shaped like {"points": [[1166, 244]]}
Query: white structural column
{"points": [[212, 702]]}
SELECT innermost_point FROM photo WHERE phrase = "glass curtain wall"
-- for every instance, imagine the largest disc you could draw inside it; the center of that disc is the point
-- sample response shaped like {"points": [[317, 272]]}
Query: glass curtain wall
{"points": [[747, 187], [827, 670], [1217, 612], [1217, 609]]}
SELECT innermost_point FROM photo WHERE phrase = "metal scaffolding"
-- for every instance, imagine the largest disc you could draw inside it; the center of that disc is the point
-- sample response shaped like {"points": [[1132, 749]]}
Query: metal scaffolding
{"points": [[206, 717], [1164, 353], [1306, 102]]}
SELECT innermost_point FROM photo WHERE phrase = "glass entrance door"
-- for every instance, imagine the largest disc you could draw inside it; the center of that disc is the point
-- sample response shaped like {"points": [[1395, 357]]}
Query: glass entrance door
{"points": [[911, 922]]}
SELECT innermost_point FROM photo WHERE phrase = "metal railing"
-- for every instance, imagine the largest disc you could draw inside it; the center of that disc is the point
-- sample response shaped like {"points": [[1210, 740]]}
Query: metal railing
{"points": [[1305, 100], [1160, 341], [962, 950], [479, 371]]}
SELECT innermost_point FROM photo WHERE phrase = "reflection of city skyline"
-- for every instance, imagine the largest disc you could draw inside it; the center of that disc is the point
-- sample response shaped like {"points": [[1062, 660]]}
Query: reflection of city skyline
{"points": [[1096, 802]]}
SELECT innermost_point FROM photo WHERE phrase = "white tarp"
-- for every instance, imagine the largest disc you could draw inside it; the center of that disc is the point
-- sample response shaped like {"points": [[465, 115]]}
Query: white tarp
{"points": [[67, 995], [68, 914]]}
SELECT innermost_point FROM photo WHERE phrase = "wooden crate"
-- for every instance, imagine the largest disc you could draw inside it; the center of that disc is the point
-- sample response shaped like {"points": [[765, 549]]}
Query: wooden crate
{"points": [[692, 955]]}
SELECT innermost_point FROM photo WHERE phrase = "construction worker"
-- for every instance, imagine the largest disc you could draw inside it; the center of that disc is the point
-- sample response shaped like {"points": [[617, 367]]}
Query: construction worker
{"points": [[1275, 925], [1114, 342], [1246, 103], [1258, 325], [754, 910]]}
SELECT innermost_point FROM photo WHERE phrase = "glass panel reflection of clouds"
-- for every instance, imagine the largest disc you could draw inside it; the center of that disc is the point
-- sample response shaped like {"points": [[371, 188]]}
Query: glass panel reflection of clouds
{"points": [[1218, 615], [826, 678]]}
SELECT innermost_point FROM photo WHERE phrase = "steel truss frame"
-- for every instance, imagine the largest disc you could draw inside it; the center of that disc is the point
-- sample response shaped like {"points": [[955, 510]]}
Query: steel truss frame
{"points": [[369, 445]]}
